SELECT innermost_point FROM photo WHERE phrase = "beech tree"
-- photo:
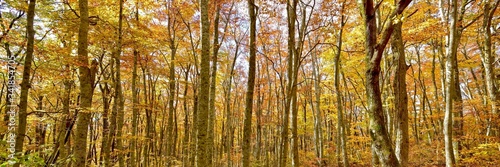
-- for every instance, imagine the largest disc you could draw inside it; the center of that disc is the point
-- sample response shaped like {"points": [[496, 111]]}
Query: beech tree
{"points": [[86, 77], [374, 49]]}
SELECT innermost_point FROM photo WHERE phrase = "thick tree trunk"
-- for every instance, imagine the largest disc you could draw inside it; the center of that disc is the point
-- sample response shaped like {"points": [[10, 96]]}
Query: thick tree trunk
{"points": [[400, 96], [291, 16], [247, 129], [203, 106], [86, 90], [374, 49], [25, 84]]}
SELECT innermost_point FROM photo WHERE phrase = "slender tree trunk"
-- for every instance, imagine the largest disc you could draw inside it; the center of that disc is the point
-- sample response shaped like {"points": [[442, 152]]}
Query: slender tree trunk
{"points": [[147, 102], [40, 127], [213, 81], [105, 146], [185, 140], [436, 89], [318, 129], [341, 129], [171, 98], [25, 84], [258, 114], [229, 116], [451, 56], [487, 57], [135, 102], [119, 101]]}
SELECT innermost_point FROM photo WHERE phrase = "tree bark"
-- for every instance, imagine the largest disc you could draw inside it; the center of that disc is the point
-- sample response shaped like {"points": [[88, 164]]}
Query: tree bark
{"points": [[487, 58], [25, 84], [374, 49], [247, 129], [341, 129], [213, 81], [86, 90], [135, 102], [171, 79], [106, 100], [41, 128], [451, 74], [291, 16], [400, 96], [119, 101], [204, 87]]}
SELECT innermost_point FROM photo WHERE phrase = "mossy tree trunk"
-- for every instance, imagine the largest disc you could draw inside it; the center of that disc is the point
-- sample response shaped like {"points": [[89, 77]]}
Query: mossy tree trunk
{"points": [[374, 49]]}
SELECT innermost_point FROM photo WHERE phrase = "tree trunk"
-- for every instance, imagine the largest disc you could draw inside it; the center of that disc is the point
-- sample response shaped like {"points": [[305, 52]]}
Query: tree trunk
{"points": [[25, 84], [341, 129], [86, 90], [41, 128], [229, 117], [203, 107], [374, 49], [318, 129], [291, 16], [400, 96], [213, 81], [451, 58], [105, 146], [185, 140], [119, 101], [247, 130], [487, 57], [171, 80], [135, 102]]}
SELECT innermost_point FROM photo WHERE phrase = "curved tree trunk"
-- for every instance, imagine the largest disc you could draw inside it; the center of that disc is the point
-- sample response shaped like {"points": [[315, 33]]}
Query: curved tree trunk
{"points": [[487, 59], [374, 49]]}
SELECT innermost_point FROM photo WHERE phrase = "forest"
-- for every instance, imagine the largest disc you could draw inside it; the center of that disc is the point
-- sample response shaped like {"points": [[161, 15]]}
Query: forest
{"points": [[247, 83]]}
